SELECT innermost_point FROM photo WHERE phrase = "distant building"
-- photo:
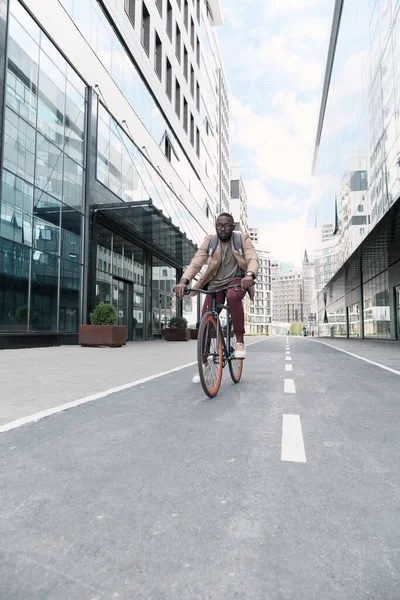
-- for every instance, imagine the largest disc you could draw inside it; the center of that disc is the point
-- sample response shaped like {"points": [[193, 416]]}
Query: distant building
{"points": [[260, 315], [238, 199], [255, 235], [287, 294], [309, 290]]}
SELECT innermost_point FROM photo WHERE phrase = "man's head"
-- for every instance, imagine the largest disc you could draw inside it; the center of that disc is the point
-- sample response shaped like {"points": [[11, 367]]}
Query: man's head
{"points": [[224, 226]]}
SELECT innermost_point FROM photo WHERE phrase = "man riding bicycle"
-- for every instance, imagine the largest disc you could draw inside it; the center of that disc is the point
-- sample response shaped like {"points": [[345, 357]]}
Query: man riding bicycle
{"points": [[226, 266]]}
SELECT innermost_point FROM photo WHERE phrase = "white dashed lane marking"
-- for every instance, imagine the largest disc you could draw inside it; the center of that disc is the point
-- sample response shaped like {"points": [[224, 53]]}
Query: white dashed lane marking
{"points": [[288, 367], [289, 388], [292, 440]]}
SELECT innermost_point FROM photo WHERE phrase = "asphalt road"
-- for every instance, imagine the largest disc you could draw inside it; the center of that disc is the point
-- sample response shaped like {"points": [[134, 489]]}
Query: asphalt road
{"points": [[159, 493]]}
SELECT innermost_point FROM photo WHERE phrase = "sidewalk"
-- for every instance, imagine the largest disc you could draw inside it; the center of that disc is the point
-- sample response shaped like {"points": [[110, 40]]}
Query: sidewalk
{"points": [[37, 379], [385, 352]]}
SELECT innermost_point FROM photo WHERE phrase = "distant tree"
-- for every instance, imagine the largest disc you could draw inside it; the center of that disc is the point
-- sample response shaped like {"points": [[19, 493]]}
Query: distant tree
{"points": [[296, 328]]}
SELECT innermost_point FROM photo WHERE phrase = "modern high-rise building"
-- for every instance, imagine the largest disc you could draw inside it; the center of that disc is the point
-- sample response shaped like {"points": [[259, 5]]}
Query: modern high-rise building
{"points": [[356, 160], [309, 289], [326, 231], [238, 199], [114, 159], [287, 294], [255, 235], [260, 315]]}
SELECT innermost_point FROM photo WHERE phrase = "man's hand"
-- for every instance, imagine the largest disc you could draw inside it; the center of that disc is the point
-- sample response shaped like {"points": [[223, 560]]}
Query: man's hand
{"points": [[247, 282], [180, 289]]}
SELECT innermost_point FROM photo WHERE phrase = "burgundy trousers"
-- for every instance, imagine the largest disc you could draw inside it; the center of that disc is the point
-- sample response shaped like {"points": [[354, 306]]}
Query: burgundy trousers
{"points": [[234, 299]]}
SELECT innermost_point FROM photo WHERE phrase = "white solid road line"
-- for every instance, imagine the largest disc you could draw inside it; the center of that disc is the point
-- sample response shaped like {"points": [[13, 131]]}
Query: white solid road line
{"points": [[292, 440], [288, 367], [371, 362], [289, 387], [62, 407]]}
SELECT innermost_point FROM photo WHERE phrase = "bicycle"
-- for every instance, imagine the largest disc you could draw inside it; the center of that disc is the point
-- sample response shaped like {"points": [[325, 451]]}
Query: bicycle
{"points": [[213, 351]]}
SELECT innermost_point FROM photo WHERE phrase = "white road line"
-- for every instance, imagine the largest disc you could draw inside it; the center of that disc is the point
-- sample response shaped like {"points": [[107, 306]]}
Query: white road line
{"points": [[292, 440], [288, 367], [288, 358], [289, 387], [287, 351], [371, 362], [62, 407]]}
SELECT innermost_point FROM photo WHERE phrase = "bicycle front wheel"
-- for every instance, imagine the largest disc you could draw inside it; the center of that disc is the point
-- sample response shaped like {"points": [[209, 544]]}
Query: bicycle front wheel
{"points": [[236, 364], [209, 355]]}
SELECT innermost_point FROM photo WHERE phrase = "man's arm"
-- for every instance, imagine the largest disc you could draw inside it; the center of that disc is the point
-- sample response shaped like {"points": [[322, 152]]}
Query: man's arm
{"points": [[250, 255], [198, 260]]}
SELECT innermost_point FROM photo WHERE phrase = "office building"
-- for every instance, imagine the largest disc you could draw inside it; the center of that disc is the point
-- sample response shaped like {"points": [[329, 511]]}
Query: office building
{"points": [[309, 288], [287, 294], [357, 161], [254, 233], [238, 199], [260, 316], [114, 160]]}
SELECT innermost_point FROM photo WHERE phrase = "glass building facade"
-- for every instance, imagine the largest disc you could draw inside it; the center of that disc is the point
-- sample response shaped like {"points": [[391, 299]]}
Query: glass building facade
{"points": [[356, 172], [93, 207]]}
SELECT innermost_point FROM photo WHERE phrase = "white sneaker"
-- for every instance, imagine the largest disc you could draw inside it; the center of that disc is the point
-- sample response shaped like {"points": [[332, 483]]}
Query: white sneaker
{"points": [[196, 378], [240, 351]]}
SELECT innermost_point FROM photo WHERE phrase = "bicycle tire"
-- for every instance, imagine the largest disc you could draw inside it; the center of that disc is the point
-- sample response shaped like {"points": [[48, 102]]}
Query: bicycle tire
{"points": [[235, 365], [211, 372]]}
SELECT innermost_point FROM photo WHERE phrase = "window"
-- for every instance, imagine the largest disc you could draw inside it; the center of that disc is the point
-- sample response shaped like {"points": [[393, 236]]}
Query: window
{"points": [[198, 97], [192, 32], [186, 14], [177, 98], [130, 10], [158, 57], [169, 20], [145, 39], [362, 231], [197, 141], [178, 44], [198, 10], [192, 81], [360, 208], [191, 129], [168, 148], [168, 79], [185, 115], [159, 6], [185, 63], [198, 51]]}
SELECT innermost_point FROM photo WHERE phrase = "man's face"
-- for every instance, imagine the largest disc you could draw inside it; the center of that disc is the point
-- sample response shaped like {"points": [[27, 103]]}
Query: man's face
{"points": [[224, 228]]}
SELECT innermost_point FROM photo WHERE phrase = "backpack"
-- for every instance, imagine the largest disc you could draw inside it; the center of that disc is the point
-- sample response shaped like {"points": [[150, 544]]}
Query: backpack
{"points": [[237, 243]]}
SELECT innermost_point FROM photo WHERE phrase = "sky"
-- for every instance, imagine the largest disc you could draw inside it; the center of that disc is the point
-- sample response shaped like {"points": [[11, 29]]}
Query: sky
{"points": [[274, 52]]}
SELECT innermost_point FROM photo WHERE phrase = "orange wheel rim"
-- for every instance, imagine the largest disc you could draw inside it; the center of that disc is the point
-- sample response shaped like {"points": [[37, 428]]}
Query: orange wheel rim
{"points": [[215, 389]]}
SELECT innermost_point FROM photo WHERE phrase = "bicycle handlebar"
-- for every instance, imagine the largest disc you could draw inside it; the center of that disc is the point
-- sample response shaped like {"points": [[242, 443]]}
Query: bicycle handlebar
{"points": [[236, 287]]}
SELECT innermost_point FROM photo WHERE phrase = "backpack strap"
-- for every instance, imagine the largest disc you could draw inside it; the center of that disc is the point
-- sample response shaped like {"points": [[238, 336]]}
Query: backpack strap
{"points": [[212, 246], [238, 242]]}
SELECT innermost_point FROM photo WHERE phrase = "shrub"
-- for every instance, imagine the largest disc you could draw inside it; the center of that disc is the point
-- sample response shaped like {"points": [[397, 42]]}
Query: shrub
{"points": [[103, 314], [178, 323], [21, 315]]}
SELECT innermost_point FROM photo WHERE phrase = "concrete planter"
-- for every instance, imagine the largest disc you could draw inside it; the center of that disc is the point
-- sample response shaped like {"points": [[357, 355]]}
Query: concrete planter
{"points": [[102, 335], [176, 335], [194, 334]]}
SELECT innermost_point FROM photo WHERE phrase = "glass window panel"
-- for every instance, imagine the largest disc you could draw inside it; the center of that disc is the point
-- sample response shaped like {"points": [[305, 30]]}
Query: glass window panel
{"points": [[16, 209], [49, 165], [51, 106], [22, 73], [73, 183], [46, 227], [14, 278], [71, 240], [44, 295], [74, 125], [70, 283], [25, 20], [19, 146]]}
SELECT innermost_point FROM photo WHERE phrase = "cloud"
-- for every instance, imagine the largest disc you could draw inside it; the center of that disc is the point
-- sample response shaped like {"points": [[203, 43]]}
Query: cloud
{"points": [[276, 9], [280, 141], [285, 240]]}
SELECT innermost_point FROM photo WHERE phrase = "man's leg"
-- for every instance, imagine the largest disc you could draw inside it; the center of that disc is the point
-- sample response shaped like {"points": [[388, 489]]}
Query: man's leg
{"points": [[235, 298]]}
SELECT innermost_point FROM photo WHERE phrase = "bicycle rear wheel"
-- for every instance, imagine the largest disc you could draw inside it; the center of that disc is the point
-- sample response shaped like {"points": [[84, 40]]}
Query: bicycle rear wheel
{"points": [[236, 364], [209, 355]]}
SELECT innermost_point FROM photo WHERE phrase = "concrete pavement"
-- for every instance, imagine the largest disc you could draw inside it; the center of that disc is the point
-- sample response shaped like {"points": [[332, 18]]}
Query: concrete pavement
{"points": [[37, 379], [159, 493]]}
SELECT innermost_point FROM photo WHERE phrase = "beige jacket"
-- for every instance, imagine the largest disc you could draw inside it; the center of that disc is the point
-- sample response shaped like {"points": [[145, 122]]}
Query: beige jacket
{"points": [[248, 262]]}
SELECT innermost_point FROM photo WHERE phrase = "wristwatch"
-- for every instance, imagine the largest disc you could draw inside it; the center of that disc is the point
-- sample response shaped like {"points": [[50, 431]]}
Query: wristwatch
{"points": [[250, 274]]}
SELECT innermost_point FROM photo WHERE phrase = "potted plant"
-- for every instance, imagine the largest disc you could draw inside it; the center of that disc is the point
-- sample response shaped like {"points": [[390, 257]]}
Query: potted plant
{"points": [[103, 331], [194, 331], [177, 330]]}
